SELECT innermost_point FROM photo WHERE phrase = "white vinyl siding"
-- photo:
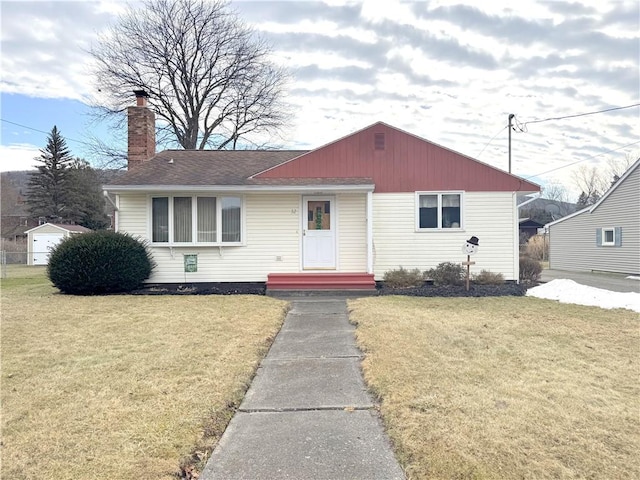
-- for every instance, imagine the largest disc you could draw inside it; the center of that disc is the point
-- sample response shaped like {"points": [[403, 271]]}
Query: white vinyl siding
{"points": [[132, 215], [573, 243], [490, 216], [272, 243], [352, 232]]}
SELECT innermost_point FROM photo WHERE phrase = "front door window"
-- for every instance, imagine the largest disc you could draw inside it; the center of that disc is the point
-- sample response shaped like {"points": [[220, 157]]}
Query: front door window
{"points": [[319, 215]]}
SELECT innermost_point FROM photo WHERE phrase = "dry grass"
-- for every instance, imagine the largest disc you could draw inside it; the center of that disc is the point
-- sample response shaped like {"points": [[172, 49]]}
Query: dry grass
{"points": [[115, 387], [484, 388]]}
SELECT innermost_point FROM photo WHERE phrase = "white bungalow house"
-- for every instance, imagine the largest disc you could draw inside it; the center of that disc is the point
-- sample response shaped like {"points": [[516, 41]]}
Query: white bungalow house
{"points": [[603, 237], [340, 215]]}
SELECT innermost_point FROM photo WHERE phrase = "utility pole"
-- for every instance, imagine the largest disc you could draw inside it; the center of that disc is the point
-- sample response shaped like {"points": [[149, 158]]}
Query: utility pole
{"points": [[511, 115]]}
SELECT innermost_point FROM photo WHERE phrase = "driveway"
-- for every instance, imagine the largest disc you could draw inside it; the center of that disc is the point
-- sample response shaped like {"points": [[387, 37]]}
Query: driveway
{"points": [[609, 281]]}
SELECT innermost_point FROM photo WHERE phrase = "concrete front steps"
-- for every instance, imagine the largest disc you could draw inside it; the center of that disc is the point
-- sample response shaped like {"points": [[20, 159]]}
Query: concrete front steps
{"points": [[320, 283]]}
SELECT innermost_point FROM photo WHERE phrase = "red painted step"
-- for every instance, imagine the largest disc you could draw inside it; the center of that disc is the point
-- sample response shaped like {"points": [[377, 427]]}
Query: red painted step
{"points": [[320, 281]]}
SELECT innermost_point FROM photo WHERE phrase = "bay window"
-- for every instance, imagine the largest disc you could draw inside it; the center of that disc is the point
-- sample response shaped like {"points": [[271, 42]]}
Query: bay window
{"points": [[438, 210], [196, 219]]}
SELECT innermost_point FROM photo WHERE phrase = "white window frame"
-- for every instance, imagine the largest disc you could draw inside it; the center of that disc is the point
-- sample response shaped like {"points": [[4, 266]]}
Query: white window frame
{"points": [[194, 222], [439, 228], [612, 243]]}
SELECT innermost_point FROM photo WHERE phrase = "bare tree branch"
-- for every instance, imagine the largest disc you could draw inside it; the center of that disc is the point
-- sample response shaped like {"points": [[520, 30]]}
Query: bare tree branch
{"points": [[208, 75], [616, 166], [591, 182]]}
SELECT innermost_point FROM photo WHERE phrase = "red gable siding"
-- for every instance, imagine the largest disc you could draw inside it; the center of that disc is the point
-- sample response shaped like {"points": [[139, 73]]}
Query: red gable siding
{"points": [[406, 164]]}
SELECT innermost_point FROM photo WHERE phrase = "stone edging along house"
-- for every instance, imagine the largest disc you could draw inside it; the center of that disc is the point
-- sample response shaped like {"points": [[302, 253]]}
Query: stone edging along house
{"points": [[345, 213]]}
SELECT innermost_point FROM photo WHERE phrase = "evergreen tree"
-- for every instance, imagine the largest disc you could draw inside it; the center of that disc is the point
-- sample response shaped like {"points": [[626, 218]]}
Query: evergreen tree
{"points": [[64, 189], [85, 196], [615, 179], [582, 200], [47, 195], [585, 200]]}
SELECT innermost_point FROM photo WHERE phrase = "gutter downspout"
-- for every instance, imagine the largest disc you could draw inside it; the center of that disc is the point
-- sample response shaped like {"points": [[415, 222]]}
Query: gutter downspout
{"points": [[106, 195], [116, 211], [516, 227], [369, 232]]}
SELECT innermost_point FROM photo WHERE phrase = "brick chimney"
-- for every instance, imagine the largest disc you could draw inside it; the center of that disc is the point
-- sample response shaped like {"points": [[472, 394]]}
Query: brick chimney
{"points": [[142, 131]]}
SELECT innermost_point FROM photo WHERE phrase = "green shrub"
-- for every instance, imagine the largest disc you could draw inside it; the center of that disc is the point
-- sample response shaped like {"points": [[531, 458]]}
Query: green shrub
{"points": [[530, 269], [99, 262], [447, 273], [485, 277], [403, 278]]}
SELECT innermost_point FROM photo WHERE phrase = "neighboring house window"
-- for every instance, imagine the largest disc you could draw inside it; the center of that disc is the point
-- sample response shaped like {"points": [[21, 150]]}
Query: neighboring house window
{"points": [[439, 210], [211, 220], [609, 237]]}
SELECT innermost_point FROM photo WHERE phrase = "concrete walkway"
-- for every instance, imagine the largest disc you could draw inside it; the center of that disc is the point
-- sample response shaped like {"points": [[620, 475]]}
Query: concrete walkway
{"points": [[307, 414]]}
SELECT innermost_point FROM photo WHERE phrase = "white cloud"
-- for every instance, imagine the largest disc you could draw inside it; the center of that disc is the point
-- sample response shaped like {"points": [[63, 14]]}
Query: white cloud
{"points": [[450, 71], [18, 157]]}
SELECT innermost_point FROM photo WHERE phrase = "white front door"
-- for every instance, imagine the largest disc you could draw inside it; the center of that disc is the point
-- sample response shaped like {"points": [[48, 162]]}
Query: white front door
{"points": [[318, 233], [43, 243]]}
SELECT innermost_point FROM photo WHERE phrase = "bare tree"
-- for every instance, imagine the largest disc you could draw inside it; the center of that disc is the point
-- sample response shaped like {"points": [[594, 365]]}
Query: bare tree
{"points": [[559, 196], [591, 183], [208, 75], [556, 192], [618, 165]]}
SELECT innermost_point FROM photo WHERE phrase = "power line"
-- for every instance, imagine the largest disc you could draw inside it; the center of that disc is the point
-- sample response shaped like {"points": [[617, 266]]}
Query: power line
{"points": [[583, 160], [489, 142], [40, 131], [523, 126]]}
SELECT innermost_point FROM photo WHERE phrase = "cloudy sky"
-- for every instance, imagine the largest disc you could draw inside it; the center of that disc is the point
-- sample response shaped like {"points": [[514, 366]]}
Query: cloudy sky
{"points": [[448, 71]]}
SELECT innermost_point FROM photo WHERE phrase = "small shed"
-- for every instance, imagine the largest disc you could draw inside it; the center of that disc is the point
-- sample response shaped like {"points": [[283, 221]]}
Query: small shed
{"points": [[528, 228], [43, 238]]}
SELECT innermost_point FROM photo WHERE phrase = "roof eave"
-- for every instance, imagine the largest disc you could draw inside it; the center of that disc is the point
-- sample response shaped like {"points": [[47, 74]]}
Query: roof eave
{"points": [[591, 208], [635, 165], [238, 188]]}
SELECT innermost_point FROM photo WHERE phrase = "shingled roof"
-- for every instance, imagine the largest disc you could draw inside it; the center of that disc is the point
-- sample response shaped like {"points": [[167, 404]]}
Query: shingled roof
{"points": [[205, 167]]}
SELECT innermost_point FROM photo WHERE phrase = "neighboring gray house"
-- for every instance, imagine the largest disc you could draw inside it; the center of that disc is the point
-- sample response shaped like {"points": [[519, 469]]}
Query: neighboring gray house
{"points": [[604, 236]]}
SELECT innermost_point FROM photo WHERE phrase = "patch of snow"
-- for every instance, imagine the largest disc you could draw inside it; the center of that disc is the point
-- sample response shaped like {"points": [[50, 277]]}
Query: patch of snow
{"points": [[568, 291], [632, 277]]}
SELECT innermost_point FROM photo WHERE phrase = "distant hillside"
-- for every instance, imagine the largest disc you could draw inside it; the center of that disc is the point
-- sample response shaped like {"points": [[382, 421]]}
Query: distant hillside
{"points": [[543, 210], [15, 217], [14, 192]]}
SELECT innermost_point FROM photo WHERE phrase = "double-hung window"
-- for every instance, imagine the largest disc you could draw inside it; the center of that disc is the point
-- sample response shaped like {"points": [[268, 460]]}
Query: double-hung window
{"points": [[437, 211], [196, 220]]}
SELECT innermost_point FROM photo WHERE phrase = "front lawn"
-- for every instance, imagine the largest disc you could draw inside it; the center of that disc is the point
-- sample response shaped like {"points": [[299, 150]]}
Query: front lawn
{"points": [[508, 388], [122, 386]]}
